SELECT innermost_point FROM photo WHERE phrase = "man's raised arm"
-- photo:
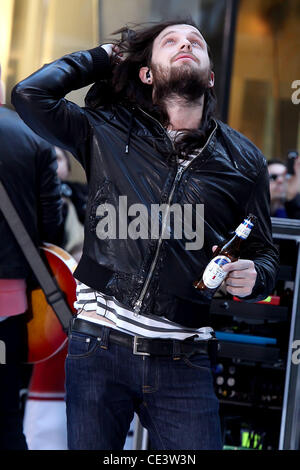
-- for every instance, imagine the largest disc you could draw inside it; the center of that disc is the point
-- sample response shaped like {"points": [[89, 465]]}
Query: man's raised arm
{"points": [[40, 98]]}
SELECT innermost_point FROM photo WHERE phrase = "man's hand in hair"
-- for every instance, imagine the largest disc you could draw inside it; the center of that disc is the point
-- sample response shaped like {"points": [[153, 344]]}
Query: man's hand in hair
{"points": [[113, 51]]}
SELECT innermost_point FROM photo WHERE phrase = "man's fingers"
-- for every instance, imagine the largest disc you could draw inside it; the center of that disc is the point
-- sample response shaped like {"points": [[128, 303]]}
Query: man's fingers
{"points": [[238, 274], [113, 51], [241, 282], [116, 51], [239, 265], [239, 291], [241, 277]]}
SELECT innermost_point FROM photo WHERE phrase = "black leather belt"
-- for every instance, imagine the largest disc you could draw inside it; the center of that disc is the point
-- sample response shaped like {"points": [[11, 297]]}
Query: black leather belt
{"points": [[144, 346]]}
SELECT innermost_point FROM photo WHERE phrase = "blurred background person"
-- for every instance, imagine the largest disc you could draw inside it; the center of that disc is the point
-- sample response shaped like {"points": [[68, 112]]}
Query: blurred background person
{"points": [[284, 189], [28, 172], [45, 410], [74, 206]]}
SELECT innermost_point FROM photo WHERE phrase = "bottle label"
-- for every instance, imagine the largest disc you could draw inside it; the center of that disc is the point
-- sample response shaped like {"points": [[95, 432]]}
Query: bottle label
{"points": [[214, 274], [244, 229]]}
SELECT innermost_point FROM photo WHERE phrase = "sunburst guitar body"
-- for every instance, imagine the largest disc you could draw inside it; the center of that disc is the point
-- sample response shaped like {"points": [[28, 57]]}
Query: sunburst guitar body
{"points": [[45, 333]]}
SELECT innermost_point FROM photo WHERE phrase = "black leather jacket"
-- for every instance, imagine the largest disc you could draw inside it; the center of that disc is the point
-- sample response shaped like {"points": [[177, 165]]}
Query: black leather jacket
{"points": [[28, 171], [229, 177]]}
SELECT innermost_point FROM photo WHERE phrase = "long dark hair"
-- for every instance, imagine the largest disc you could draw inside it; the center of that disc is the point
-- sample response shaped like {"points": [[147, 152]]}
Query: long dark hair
{"points": [[125, 86]]}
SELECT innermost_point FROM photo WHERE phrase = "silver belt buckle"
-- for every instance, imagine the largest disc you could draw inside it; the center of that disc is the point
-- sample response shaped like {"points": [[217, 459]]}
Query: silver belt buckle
{"points": [[135, 344]]}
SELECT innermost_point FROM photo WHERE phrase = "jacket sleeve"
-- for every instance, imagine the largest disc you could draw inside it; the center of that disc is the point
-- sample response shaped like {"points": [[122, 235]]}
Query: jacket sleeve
{"points": [[50, 218], [259, 247], [40, 98]]}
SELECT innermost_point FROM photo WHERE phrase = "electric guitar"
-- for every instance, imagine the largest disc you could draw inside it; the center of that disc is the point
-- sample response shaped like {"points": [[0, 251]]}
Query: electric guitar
{"points": [[45, 333]]}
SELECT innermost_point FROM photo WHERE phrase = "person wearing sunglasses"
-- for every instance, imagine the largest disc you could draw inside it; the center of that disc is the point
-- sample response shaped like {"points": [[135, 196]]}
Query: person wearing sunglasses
{"points": [[284, 189]]}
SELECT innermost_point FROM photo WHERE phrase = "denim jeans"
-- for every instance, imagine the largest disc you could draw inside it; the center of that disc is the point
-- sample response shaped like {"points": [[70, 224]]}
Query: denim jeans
{"points": [[106, 383]]}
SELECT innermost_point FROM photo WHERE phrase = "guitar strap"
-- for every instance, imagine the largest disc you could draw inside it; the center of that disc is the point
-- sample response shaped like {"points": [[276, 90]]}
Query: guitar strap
{"points": [[48, 284]]}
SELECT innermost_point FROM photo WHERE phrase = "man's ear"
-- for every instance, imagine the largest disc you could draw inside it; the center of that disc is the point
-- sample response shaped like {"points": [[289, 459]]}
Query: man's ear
{"points": [[145, 75], [211, 80]]}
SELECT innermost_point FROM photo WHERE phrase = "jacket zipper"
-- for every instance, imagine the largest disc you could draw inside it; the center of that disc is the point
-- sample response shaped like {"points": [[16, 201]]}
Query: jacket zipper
{"points": [[138, 304], [180, 171]]}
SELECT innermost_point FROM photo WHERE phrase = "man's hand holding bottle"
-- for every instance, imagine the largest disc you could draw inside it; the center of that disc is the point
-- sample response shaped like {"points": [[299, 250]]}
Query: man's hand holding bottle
{"points": [[239, 275]]}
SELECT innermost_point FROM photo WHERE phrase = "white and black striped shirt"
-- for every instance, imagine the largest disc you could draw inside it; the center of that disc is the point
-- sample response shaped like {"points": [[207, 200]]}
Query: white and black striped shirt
{"points": [[127, 321]]}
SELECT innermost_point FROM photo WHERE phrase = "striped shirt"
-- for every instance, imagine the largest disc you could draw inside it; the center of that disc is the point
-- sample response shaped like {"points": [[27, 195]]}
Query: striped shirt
{"points": [[126, 320]]}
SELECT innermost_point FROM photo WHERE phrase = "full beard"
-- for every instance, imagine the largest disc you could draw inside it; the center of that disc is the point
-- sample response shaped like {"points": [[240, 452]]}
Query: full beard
{"points": [[184, 83]]}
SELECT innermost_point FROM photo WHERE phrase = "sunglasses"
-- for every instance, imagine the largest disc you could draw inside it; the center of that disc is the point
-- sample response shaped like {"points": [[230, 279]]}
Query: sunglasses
{"points": [[274, 177]]}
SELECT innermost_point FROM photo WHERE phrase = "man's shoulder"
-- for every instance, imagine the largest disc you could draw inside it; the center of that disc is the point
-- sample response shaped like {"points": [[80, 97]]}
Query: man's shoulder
{"points": [[243, 145], [8, 117], [116, 115], [100, 114], [13, 129], [18, 139], [10, 120]]}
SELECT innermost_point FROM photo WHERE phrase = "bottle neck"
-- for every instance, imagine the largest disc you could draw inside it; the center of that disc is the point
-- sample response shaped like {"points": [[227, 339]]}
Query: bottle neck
{"points": [[233, 244], [244, 229]]}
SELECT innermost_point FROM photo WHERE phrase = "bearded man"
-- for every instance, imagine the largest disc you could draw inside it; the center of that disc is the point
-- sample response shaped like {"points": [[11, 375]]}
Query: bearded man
{"points": [[142, 339]]}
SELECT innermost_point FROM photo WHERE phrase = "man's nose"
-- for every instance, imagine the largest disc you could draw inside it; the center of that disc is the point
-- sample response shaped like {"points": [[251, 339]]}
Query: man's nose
{"points": [[186, 45]]}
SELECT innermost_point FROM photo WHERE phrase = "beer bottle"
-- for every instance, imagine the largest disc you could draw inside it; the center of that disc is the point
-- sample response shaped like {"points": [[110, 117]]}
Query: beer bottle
{"points": [[214, 274]]}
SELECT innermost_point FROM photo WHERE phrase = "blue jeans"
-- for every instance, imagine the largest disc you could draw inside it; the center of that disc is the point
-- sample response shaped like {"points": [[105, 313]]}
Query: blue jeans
{"points": [[106, 383]]}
